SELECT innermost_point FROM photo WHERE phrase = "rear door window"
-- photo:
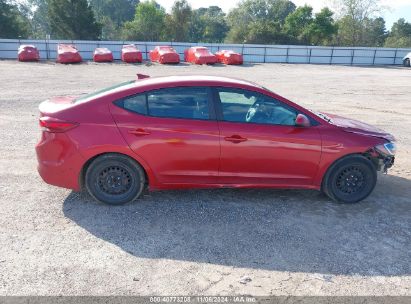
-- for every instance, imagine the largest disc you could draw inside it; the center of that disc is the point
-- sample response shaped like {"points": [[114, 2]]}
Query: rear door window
{"points": [[183, 102]]}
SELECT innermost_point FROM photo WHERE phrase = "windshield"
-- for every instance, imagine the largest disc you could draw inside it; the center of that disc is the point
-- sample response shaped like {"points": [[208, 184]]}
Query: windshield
{"points": [[94, 94]]}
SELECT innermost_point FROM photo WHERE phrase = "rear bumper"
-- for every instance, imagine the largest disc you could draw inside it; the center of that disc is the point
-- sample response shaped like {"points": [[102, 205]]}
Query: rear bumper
{"points": [[169, 58], [205, 60], [59, 162], [69, 58]]}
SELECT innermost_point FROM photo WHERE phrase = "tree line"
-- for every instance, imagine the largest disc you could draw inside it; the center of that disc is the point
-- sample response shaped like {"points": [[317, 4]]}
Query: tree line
{"points": [[356, 23]]}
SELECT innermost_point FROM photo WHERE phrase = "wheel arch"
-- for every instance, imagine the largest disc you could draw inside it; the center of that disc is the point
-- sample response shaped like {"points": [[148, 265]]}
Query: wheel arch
{"points": [[368, 155], [147, 172]]}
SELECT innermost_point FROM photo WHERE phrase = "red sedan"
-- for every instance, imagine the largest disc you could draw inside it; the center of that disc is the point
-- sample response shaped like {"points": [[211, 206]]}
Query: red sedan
{"points": [[131, 54], [67, 53], [28, 53], [164, 54], [102, 55], [199, 55], [229, 57], [204, 132]]}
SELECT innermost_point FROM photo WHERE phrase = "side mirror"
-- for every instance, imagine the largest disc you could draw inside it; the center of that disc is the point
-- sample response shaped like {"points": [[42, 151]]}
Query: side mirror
{"points": [[302, 121]]}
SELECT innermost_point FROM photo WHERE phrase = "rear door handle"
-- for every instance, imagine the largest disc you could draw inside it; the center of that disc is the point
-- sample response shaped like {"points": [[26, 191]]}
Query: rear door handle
{"points": [[235, 139], [139, 132]]}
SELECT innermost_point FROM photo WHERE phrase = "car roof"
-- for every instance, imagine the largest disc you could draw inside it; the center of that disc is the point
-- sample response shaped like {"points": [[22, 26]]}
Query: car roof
{"points": [[167, 81], [194, 79]]}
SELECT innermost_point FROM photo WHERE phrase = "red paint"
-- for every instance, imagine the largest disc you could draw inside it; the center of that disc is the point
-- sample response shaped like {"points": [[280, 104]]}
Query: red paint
{"points": [[199, 55], [164, 54], [131, 54], [102, 55], [229, 57], [182, 153], [67, 53], [28, 53]]}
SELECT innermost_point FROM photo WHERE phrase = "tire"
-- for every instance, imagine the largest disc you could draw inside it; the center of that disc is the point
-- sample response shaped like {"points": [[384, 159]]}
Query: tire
{"points": [[350, 179], [114, 179], [407, 62]]}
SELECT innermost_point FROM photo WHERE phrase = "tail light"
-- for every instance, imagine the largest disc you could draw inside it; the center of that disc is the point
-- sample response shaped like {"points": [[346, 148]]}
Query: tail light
{"points": [[54, 125]]}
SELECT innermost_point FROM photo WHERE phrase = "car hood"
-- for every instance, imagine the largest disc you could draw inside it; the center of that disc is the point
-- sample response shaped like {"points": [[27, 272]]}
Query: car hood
{"points": [[358, 127]]}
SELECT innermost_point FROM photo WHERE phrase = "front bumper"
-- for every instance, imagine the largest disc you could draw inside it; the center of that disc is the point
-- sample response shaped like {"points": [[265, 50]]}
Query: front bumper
{"points": [[385, 163]]}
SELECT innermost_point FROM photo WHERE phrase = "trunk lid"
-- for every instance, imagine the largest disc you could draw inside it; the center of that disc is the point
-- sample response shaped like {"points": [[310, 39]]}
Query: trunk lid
{"points": [[56, 104]]}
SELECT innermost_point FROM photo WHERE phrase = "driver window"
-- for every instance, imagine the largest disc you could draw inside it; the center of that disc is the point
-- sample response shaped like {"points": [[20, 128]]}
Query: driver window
{"points": [[251, 107]]}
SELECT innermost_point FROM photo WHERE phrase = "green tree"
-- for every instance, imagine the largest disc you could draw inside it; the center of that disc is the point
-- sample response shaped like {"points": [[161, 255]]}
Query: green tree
{"points": [[354, 16], [72, 19], [259, 21], [298, 22], [148, 23], [208, 25], [39, 18], [112, 14], [400, 35], [375, 32], [323, 28], [13, 23], [119, 11], [180, 20]]}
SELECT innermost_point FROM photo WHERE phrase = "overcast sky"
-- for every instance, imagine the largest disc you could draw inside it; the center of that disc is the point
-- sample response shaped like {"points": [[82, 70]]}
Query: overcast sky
{"points": [[397, 8]]}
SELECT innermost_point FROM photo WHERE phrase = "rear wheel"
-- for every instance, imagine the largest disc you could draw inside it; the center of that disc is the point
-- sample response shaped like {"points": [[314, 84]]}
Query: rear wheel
{"points": [[114, 179], [407, 62], [350, 180]]}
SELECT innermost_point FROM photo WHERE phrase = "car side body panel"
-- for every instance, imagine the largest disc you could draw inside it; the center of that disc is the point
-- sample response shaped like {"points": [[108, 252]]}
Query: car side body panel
{"points": [[182, 153], [273, 155]]}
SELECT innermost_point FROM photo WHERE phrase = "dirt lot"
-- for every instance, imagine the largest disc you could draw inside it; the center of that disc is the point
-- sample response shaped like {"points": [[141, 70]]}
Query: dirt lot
{"points": [[56, 242]]}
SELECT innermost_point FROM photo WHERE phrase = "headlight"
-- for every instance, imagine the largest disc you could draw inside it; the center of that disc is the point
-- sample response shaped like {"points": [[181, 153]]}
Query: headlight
{"points": [[388, 149]]}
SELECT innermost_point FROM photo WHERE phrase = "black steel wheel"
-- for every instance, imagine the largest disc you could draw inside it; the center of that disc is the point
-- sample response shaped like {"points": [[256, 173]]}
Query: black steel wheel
{"points": [[407, 62], [350, 180], [114, 179]]}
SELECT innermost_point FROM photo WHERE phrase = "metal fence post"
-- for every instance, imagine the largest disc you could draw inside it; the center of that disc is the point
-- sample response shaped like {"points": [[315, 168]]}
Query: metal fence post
{"points": [[309, 56], [352, 56], [332, 56], [375, 55], [395, 56], [288, 48], [47, 48], [265, 54]]}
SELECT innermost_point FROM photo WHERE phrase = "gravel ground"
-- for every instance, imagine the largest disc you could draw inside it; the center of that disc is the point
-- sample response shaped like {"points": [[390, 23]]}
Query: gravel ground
{"points": [[214, 242]]}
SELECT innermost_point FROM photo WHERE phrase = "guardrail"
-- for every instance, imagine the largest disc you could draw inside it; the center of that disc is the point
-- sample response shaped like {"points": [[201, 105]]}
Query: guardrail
{"points": [[251, 53]]}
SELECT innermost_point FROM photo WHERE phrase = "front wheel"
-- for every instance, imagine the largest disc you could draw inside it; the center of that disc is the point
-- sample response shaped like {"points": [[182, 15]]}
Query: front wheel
{"points": [[114, 179], [407, 62], [350, 180]]}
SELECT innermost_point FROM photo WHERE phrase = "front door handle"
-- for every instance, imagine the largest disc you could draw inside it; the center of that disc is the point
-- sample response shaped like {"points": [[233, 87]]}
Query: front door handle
{"points": [[235, 139], [139, 132]]}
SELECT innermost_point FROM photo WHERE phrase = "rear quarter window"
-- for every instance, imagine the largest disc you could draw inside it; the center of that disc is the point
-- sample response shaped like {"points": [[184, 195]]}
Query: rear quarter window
{"points": [[136, 103]]}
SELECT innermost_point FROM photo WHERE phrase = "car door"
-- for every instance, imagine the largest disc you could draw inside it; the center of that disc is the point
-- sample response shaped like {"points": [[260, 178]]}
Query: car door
{"points": [[260, 144], [174, 131]]}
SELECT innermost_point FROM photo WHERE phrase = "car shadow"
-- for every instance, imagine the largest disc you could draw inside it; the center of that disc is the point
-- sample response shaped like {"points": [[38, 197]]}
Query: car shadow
{"points": [[282, 230]]}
